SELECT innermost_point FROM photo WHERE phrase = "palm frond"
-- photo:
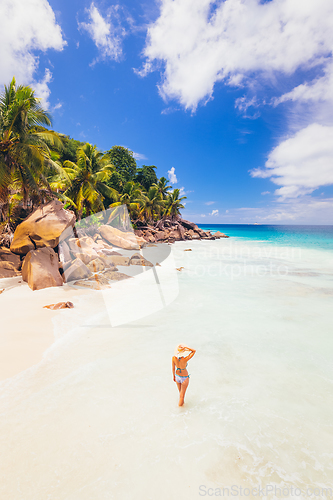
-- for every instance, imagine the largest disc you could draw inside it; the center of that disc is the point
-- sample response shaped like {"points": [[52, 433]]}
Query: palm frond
{"points": [[50, 138]]}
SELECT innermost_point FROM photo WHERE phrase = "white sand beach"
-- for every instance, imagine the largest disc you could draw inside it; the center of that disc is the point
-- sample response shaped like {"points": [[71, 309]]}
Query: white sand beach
{"points": [[93, 414], [26, 328]]}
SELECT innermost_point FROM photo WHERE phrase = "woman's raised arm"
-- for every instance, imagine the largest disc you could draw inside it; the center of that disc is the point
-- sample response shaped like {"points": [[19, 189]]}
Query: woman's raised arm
{"points": [[192, 353]]}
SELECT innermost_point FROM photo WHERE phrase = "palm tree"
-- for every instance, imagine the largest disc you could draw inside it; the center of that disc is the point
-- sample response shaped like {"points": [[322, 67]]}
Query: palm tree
{"points": [[162, 186], [131, 197], [152, 204], [173, 204], [25, 156], [86, 181]]}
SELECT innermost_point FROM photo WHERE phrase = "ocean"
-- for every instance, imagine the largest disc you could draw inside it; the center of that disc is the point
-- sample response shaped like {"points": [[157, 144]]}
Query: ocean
{"points": [[303, 236], [98, 417]]}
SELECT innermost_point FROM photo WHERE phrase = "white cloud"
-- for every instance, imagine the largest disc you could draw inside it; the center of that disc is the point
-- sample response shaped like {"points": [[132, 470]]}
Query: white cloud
{"points": [[106, 33], [42, 88], [305, 210], [165, 111], [214, 212], [234, 41], [265, 192], [139, 156], [301, 163], [311, 101], [182, 192], [253, 44], [209, 202], [320, 89], [243, 103], [172, 176], [227, 211], [27, 28], [57, 106]]}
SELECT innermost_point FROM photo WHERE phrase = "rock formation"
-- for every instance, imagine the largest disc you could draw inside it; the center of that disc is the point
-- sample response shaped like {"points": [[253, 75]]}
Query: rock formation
{"points": [[85, 256], [42, 228], [60, 305], [218, 234], [40, 269], [169, 231], [115, 276], [96, 265], [118, 260], [10, 264], [125, 240], [138, 260], [76, 270]]}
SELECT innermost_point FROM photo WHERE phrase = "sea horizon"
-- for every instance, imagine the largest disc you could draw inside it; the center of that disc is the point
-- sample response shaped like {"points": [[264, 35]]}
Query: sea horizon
{"points": [[298, 235]]}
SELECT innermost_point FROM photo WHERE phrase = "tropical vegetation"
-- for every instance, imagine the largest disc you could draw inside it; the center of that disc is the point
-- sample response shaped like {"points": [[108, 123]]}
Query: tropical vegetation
{"points": [[38, 164], [25, 150]]}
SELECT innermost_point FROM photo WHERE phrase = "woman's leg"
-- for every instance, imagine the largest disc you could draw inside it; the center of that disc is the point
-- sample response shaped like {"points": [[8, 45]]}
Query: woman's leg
{"points": [[179, 386], [184, 386]]}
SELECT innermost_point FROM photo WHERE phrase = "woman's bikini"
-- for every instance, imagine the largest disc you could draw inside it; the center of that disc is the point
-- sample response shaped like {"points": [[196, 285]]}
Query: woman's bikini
{"points": [[179, 378]]}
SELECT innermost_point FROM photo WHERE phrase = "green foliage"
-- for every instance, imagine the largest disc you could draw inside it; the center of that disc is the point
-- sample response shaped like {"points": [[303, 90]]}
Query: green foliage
{"points": [[173, 204], [86, 181], [153, 204], [25, 147], [132, 197], [67, 150], [124, 162], [162, 186], [70, 147], [146, 176], [116, 181]]}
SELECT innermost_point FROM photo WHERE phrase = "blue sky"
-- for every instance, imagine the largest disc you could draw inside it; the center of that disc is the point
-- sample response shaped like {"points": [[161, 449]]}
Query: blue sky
{"points": [[232, 100]]}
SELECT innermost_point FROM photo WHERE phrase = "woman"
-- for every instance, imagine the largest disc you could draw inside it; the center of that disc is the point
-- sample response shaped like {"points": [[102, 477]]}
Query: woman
{"points": [[179, 363]]}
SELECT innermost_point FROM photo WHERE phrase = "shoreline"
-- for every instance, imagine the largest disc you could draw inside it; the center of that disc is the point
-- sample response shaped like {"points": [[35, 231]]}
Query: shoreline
{"points": [[28, 330]]}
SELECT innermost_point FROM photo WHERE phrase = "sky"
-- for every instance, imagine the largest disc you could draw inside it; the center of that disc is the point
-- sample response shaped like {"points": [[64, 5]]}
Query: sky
{"points": [[231, 100]]}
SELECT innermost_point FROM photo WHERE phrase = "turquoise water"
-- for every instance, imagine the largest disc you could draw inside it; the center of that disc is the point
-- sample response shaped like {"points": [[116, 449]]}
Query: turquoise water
{"points": [[316, 237]]}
